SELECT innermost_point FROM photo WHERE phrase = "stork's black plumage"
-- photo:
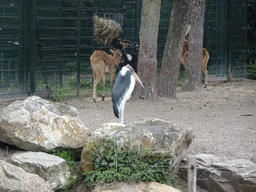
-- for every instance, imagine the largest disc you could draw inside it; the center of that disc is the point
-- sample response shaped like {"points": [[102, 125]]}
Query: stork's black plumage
{"points": [[122, 90]]}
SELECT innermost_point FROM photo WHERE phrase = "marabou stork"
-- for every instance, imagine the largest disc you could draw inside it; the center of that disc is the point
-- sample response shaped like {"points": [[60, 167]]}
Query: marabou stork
{"points": [[122, 90]]}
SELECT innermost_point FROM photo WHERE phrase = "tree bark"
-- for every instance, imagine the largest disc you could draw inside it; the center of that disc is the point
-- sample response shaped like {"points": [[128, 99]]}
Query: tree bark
{"points": [[195, 46], [147, 61], [173, 48]]}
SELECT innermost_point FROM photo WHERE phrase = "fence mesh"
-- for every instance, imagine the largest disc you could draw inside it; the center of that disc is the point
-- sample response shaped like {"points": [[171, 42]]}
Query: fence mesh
{"points": [[46, 45], [13, 68]]}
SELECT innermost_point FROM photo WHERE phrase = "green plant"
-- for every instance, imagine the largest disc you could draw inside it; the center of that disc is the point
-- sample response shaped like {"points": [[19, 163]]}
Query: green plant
{"points": [[40, 84], [182, 79], [66, 155], [128, 163], [11, 88], [86, 83], [85, 67], [57, 96], [70, 82], [252, 69]]}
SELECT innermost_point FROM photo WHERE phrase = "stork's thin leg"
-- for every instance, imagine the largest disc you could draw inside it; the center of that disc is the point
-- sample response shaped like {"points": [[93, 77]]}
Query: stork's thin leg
{"points": [[122, 117]]}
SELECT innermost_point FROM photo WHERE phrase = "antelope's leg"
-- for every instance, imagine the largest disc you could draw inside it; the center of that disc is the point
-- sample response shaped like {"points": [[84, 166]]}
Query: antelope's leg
{"points": [[95, 83], [104, 84], [112, 74]]}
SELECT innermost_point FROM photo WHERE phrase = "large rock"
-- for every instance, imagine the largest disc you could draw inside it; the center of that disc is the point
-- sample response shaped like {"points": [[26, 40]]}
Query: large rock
{"points": [[221, 174], [49, 167], [16, 179], [35, 124], [138, 187], [157, 135]]}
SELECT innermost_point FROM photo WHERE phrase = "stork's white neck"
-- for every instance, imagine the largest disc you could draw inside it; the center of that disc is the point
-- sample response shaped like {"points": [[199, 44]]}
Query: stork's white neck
{"points": [[124, 70]]}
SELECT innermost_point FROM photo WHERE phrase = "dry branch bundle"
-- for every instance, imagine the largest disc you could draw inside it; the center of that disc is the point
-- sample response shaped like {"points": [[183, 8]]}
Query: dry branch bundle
{"points": [[105, 30]]}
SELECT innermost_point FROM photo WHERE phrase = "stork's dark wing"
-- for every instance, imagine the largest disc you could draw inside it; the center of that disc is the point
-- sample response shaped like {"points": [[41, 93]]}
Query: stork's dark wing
{"points": [[120, 88]]}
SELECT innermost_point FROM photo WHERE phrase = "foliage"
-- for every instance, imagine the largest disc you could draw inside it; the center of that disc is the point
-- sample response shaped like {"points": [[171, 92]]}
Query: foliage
{"points": [[252, 69], [71, 82], [251, 38], [40, 84], [85, 68], [129, 163], [57, 96], [66, 155], [182, 79], [11, 88], [69, 87], [85, 83]]}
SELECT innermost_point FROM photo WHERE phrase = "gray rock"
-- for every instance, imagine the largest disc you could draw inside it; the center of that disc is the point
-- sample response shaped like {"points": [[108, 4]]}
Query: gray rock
{"points": [[136, 187], [157, 135], [241, 173], [35, 124], [49, 167], [17, 180], [222, 175]]}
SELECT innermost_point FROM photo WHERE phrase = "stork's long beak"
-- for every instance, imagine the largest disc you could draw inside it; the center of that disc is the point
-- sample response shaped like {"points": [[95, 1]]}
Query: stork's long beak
{"points": [[135, 75], [137, 79]]}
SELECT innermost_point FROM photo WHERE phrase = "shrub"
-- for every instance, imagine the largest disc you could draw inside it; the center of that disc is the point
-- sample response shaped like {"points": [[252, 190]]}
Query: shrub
{"points": [[66, 155], [113, 163], [57, 96], [252, 69]]}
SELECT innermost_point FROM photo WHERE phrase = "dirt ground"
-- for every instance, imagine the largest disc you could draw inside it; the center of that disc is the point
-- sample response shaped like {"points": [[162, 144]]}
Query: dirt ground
{"points": [[223, 116]]}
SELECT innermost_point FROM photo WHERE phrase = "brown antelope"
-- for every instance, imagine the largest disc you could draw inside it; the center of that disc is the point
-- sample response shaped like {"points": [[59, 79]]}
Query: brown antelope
{"points": [[103, 64], [205, 59]]}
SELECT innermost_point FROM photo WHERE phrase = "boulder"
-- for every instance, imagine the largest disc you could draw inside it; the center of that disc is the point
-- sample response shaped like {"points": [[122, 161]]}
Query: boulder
{"points": [[156, 135], [51, 168], [35, 124], [138, 187], [16, 179], [221, 174]]}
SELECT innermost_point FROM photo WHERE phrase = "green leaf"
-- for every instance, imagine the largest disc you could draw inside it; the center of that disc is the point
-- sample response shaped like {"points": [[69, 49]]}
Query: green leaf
{"points": [[131, 164]]}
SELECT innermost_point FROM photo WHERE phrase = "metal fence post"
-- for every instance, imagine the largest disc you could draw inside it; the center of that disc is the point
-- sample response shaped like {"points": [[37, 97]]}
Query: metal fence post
{"points": [[191, 174], [223, 38], [32, 55], [21, 76], [78, 46], [60, 43]]}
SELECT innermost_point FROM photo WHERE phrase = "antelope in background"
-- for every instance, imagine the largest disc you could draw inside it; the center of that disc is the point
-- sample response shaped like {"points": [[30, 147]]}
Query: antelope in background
{"points": [[205, 59], [103, 64]]}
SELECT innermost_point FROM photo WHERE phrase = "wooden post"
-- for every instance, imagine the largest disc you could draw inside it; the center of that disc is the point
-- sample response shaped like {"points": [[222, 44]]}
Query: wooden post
{"points": [[191, 174]]}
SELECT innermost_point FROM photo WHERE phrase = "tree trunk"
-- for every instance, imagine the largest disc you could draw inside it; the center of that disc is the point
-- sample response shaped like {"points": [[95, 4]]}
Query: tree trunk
{"points": [[147, 61], [196, 45], [173, 48]]}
